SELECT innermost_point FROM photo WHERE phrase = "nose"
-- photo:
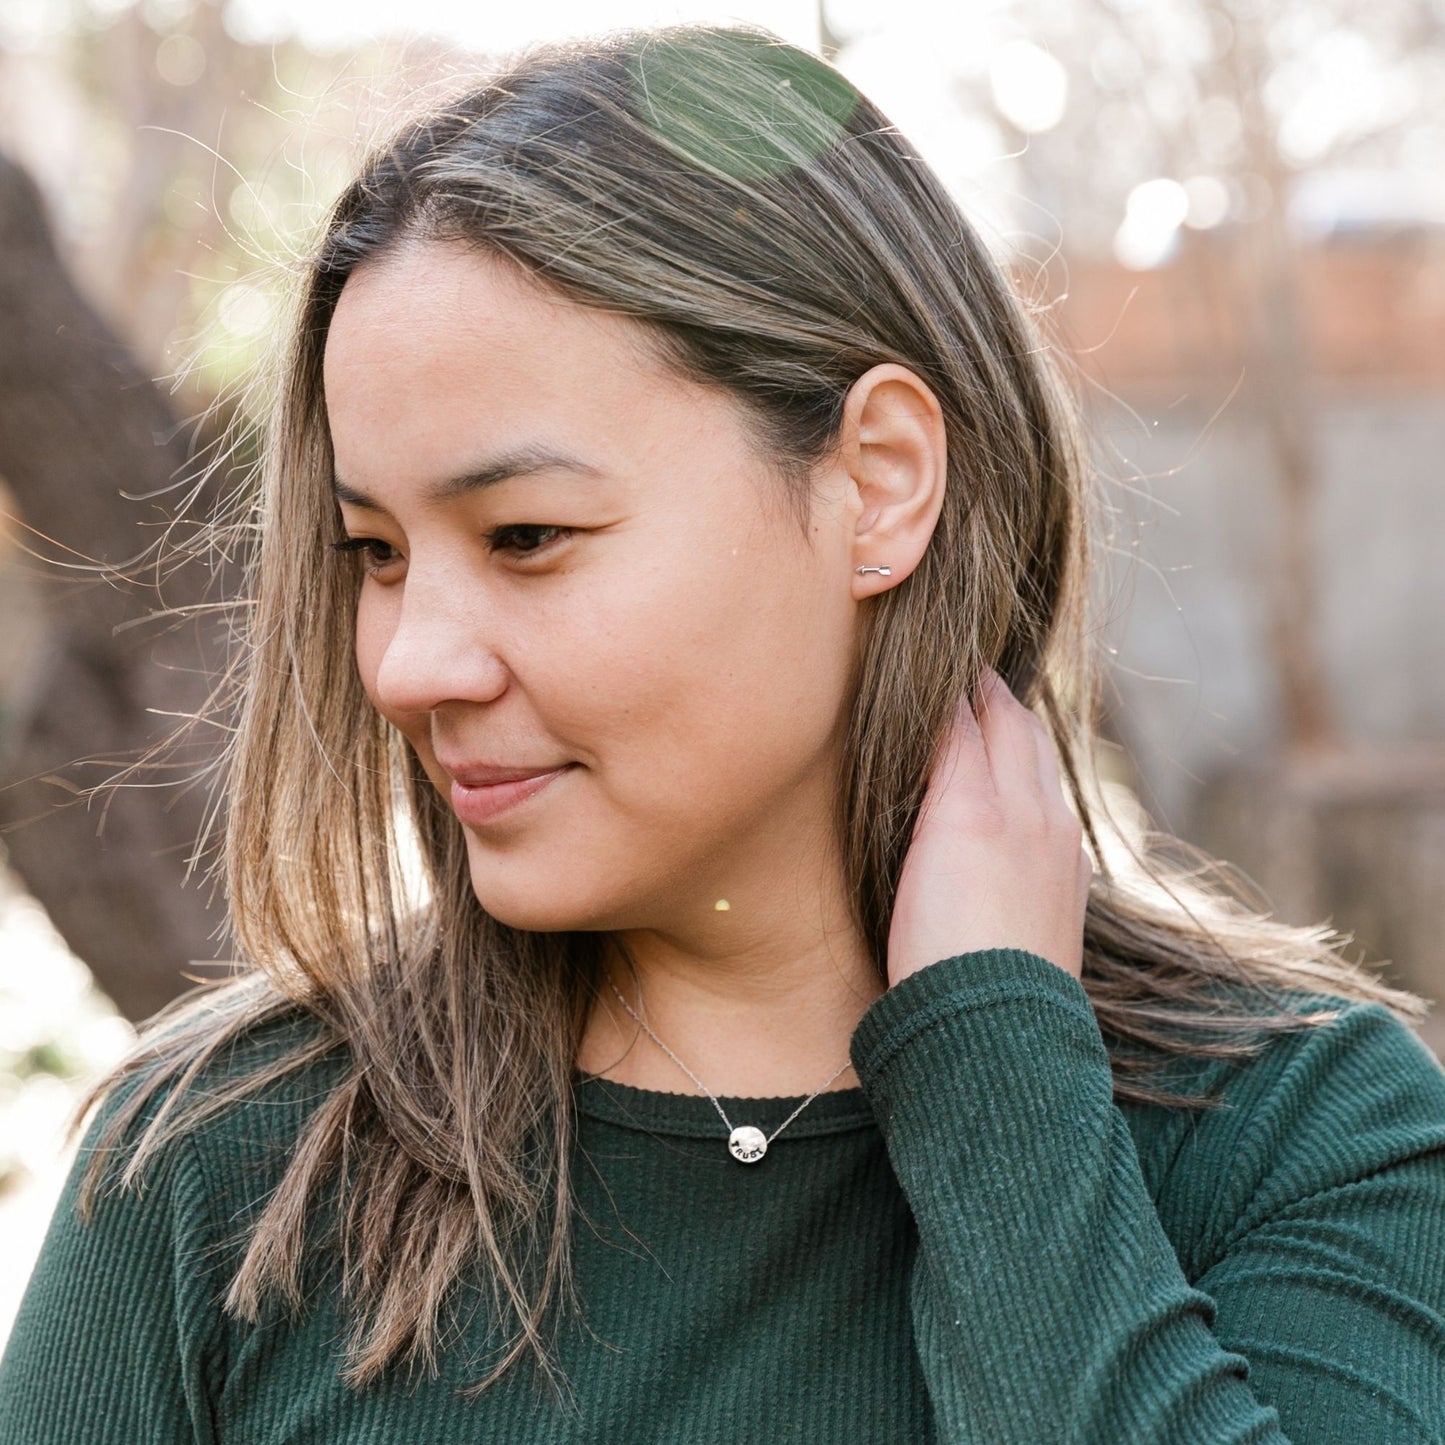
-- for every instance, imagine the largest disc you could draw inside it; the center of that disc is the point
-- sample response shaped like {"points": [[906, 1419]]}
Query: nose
{"points": [[432, 648]]}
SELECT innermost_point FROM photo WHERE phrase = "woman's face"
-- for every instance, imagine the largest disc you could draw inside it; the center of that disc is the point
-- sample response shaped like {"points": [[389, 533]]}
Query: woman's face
{"points": [[629, 610]]}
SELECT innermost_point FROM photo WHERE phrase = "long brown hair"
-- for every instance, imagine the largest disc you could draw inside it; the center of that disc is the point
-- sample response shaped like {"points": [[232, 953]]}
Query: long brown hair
{"points": [[773, 235]]}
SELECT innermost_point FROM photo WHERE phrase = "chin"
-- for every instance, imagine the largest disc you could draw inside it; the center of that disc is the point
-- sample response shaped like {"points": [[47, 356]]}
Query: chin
{"points": [[546, 907]]}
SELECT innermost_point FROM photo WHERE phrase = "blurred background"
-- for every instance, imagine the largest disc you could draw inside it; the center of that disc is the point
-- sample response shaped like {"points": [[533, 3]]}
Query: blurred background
{"points": [[1232, 214]]}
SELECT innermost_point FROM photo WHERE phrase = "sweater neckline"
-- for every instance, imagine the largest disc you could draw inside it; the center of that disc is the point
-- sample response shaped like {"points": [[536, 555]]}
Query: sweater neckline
{"points": [[657, 1111]]}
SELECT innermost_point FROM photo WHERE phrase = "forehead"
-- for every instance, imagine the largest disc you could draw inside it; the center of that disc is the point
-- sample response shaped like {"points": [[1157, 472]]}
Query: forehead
{"points": [[467, 308], [439, 355]]}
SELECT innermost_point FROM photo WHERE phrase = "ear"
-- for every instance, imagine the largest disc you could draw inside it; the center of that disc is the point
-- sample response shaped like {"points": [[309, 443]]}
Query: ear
{"points": [[894, 450]]}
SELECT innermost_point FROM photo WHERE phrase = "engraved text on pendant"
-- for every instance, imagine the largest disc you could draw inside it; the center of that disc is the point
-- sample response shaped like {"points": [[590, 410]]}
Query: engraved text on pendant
{"points": [[747, 1144]]}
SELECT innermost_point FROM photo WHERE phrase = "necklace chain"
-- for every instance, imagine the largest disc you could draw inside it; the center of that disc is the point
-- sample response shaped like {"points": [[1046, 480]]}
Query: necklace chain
{"points": [[745, 1143]]}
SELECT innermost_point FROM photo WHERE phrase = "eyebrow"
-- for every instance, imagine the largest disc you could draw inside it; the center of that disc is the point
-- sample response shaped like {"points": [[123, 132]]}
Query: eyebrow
{"points": [[522, 461]]}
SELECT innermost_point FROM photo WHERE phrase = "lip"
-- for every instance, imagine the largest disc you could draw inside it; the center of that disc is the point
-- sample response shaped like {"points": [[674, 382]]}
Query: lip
{"points": [[474, 775], [478, 803]]}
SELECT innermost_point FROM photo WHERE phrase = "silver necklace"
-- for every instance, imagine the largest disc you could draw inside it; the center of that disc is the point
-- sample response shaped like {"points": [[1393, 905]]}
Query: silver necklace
{"points": [[746, 1143]]}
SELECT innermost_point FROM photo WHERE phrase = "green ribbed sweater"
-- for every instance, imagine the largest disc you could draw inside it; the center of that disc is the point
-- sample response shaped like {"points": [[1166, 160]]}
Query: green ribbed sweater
{"points": [[977, 1245]]}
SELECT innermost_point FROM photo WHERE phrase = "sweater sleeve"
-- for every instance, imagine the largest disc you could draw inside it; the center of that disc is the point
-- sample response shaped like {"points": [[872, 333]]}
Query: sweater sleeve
{"points": [[117, 1339], [1048, 1301]]}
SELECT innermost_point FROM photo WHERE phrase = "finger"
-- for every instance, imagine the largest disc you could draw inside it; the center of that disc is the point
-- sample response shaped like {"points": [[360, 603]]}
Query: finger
{"points": [[1008, 737], [963, 756], [1051, 775], [960, 762], [1030, 729]]}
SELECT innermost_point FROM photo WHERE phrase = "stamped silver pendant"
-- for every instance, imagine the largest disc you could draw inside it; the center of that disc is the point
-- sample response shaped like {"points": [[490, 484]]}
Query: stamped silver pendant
{"points": [[747, 1144]]}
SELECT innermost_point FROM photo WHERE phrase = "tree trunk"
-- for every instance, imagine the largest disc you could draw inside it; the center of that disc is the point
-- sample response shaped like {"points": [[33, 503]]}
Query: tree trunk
{"points": [[86, 443], [1277, 380]]}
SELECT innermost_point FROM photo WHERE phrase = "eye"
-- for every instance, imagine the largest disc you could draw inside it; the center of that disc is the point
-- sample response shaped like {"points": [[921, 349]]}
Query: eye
{"points": [[375, 553], [497, 543]]}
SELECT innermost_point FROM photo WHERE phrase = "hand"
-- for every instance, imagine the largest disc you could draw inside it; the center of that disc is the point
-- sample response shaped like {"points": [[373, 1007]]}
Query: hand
{"points": [[997, 857]]}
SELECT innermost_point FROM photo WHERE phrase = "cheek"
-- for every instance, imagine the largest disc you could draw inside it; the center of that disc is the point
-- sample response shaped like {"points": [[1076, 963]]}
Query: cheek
{"points": [[374, 629], [371, 639], [721, 692]]}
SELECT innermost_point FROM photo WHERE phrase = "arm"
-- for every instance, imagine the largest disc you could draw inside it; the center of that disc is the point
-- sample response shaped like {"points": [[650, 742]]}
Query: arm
{"points": [[1049, 1303], [117, 1335]]}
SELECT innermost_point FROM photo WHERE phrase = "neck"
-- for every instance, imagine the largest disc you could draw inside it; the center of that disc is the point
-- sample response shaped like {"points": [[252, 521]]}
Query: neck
{"points": [[766, 1017]]}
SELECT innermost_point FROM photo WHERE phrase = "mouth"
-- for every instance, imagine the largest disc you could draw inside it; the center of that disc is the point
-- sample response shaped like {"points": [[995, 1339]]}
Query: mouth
{"points": [[476, 804]]}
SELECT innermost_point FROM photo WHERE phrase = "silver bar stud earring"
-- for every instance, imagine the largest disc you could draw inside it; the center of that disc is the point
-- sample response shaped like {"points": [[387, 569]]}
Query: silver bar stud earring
{"points": [[885, 571]]}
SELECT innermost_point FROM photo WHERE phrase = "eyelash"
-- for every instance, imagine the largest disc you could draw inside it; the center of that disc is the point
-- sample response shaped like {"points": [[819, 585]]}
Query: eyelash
{"points": [[374, 564]]}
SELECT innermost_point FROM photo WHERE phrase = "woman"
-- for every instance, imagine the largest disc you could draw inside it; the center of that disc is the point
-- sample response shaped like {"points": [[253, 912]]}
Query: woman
{"points": [[656, 836]]}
